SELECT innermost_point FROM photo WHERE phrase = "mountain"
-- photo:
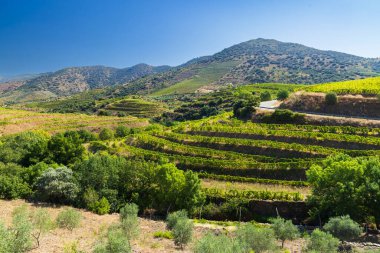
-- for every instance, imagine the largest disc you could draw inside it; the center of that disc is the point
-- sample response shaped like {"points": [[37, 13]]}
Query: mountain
{"points": [[257, 61], [254, 61], [73, 80]]}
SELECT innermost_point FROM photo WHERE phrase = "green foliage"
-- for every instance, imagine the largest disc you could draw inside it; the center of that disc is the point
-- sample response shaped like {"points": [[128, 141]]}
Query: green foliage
{"points": [[256, 239], [282, 94], [284, 230], [5, 239], [331, 98], [122, 131], [21, 235], [57, 186], [92, 202], [343, 228], [129, 220], [322, 242], [244, 107], [114, 242], [66, 149], [183, 232], [42, 223], [69, 218], [163, 234], [106, 134], [13, 187], [265, 96], [211, 243], [284, 116], [173, 218], [344, 185]]}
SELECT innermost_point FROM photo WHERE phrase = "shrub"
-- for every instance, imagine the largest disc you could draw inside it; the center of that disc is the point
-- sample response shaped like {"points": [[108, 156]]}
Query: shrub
{"points": [[284, 230], [57, 186], [92, 202], [173, 218], [5, 239], [105, 134], [42, 223], [66, 149], [129, 220], [265, 96], [21, 237], [256, 239], [284, 116], [69, 218], [322, 242], [211, 243], [331, 98], [343, 228], [115, 242], [102, 206], [183, 232], [13, 187], [282, 94], [163, 234], [122, 131]]}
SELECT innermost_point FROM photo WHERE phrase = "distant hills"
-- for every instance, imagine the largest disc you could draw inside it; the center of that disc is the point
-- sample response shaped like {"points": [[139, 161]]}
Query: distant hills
{"points": [[254, 61]]}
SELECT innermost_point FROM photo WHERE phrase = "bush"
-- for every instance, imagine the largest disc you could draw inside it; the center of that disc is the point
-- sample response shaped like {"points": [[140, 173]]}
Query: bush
{"points": [[331, 98], [256, 239], [102, 206], [183, 232], [13, 187], [282, 94], [322, 242], [129, 220], [92, 202], [284, 230], [115, 242], [122, 131], [69, 218], [42, 223], [284, 116], [105, 134], [66, 149], [211, 243], [265, 96], [57, 186], [343, 228], [173, 218], [163, 234]]}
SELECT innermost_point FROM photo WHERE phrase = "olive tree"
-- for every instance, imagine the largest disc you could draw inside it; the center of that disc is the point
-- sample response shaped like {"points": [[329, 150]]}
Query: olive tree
{"points": [[284, 230], [343, 227]]}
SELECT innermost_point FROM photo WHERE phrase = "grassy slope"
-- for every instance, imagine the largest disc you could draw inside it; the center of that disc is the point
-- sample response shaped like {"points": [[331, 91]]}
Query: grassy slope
{"points": [[206, 75], [367, 86]]}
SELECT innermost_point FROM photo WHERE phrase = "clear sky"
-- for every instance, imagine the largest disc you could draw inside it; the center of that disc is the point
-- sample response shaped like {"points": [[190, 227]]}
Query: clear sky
{"points": [[46, 35]]}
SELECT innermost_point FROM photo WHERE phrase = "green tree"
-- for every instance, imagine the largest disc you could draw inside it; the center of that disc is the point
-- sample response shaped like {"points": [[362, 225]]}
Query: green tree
{"points": [[343, 227], [42, 223], [282, 94], [114, 242], [322, 242], [284, 230], [57, 186], [105, 134], [331, 98], [69, 218], [211, 243], [66, 150], [173, 218], [265, 96], [21, 230], [344, 185], [122, 131], [183, 232], [129, 220], [256, 239]]}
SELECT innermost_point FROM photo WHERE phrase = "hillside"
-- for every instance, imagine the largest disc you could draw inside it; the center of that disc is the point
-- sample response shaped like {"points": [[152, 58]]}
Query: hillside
{"points": [[255, 61], [73, 80]]}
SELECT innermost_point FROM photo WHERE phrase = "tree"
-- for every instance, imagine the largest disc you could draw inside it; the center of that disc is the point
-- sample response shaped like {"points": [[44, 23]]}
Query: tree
{"points": [[115, 242], [343, 185], [211, 243], [265, 96], [66, 150], [343, 228], [57, 186], [322, 242], [42, 224], [129, 220], [69, 218], [13, 187], [331, 98], [21, 238], [282, 94], [173, 218], [284, 230], [183, 232], [256, 239], [105, 134], [122, 131]]}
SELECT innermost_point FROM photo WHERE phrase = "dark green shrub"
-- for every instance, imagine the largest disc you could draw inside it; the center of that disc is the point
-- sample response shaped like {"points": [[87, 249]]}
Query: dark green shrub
{"points": [[66, 150], [343, 227], [282, 94], [129, 220], [105, 134], [256, 239], [13, 187], [284, 116], [331, 98], [57, 186], [322, 242], [183, 232], [68, 218], [265, 96], [211, 243], [114, 242], [97, 146], [122, 131], [173, 218]]}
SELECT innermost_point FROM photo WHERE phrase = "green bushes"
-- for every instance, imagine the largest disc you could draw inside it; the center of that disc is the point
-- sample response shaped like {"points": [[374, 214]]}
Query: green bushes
{"points": [[163, 234], [284, 116], [92, 202], [284, 230], [106, 134], [13, 187], [343, 228], [322, 242], [256, 239], [129, 220], [211, 243], [115, 241], [331, 98], [66, 149], [282, 94], [172, 218], [68, 218], [265, 96], [181, 226]]}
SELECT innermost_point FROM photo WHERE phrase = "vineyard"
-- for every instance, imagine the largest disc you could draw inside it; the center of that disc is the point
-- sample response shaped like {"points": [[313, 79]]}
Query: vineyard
{"points": [[14, 121], [368, 86], [245, 165]]}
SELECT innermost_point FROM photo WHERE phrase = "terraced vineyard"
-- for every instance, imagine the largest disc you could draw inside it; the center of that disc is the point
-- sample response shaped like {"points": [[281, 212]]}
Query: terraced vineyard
{"points": [[14, 121], [259, 167], [136, 107]]}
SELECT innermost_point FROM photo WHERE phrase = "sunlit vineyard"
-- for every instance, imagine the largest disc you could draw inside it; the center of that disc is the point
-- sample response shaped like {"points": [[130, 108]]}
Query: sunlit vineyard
{"points": [[368, 86]]}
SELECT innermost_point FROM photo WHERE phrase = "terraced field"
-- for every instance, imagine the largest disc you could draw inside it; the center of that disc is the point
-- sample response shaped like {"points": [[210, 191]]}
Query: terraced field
{"points": [[137, 107], [249, 162], [14, 121]]}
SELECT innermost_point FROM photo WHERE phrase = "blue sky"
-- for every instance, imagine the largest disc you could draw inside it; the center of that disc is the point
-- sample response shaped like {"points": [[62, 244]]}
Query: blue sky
{"points": [[46, 35]]}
